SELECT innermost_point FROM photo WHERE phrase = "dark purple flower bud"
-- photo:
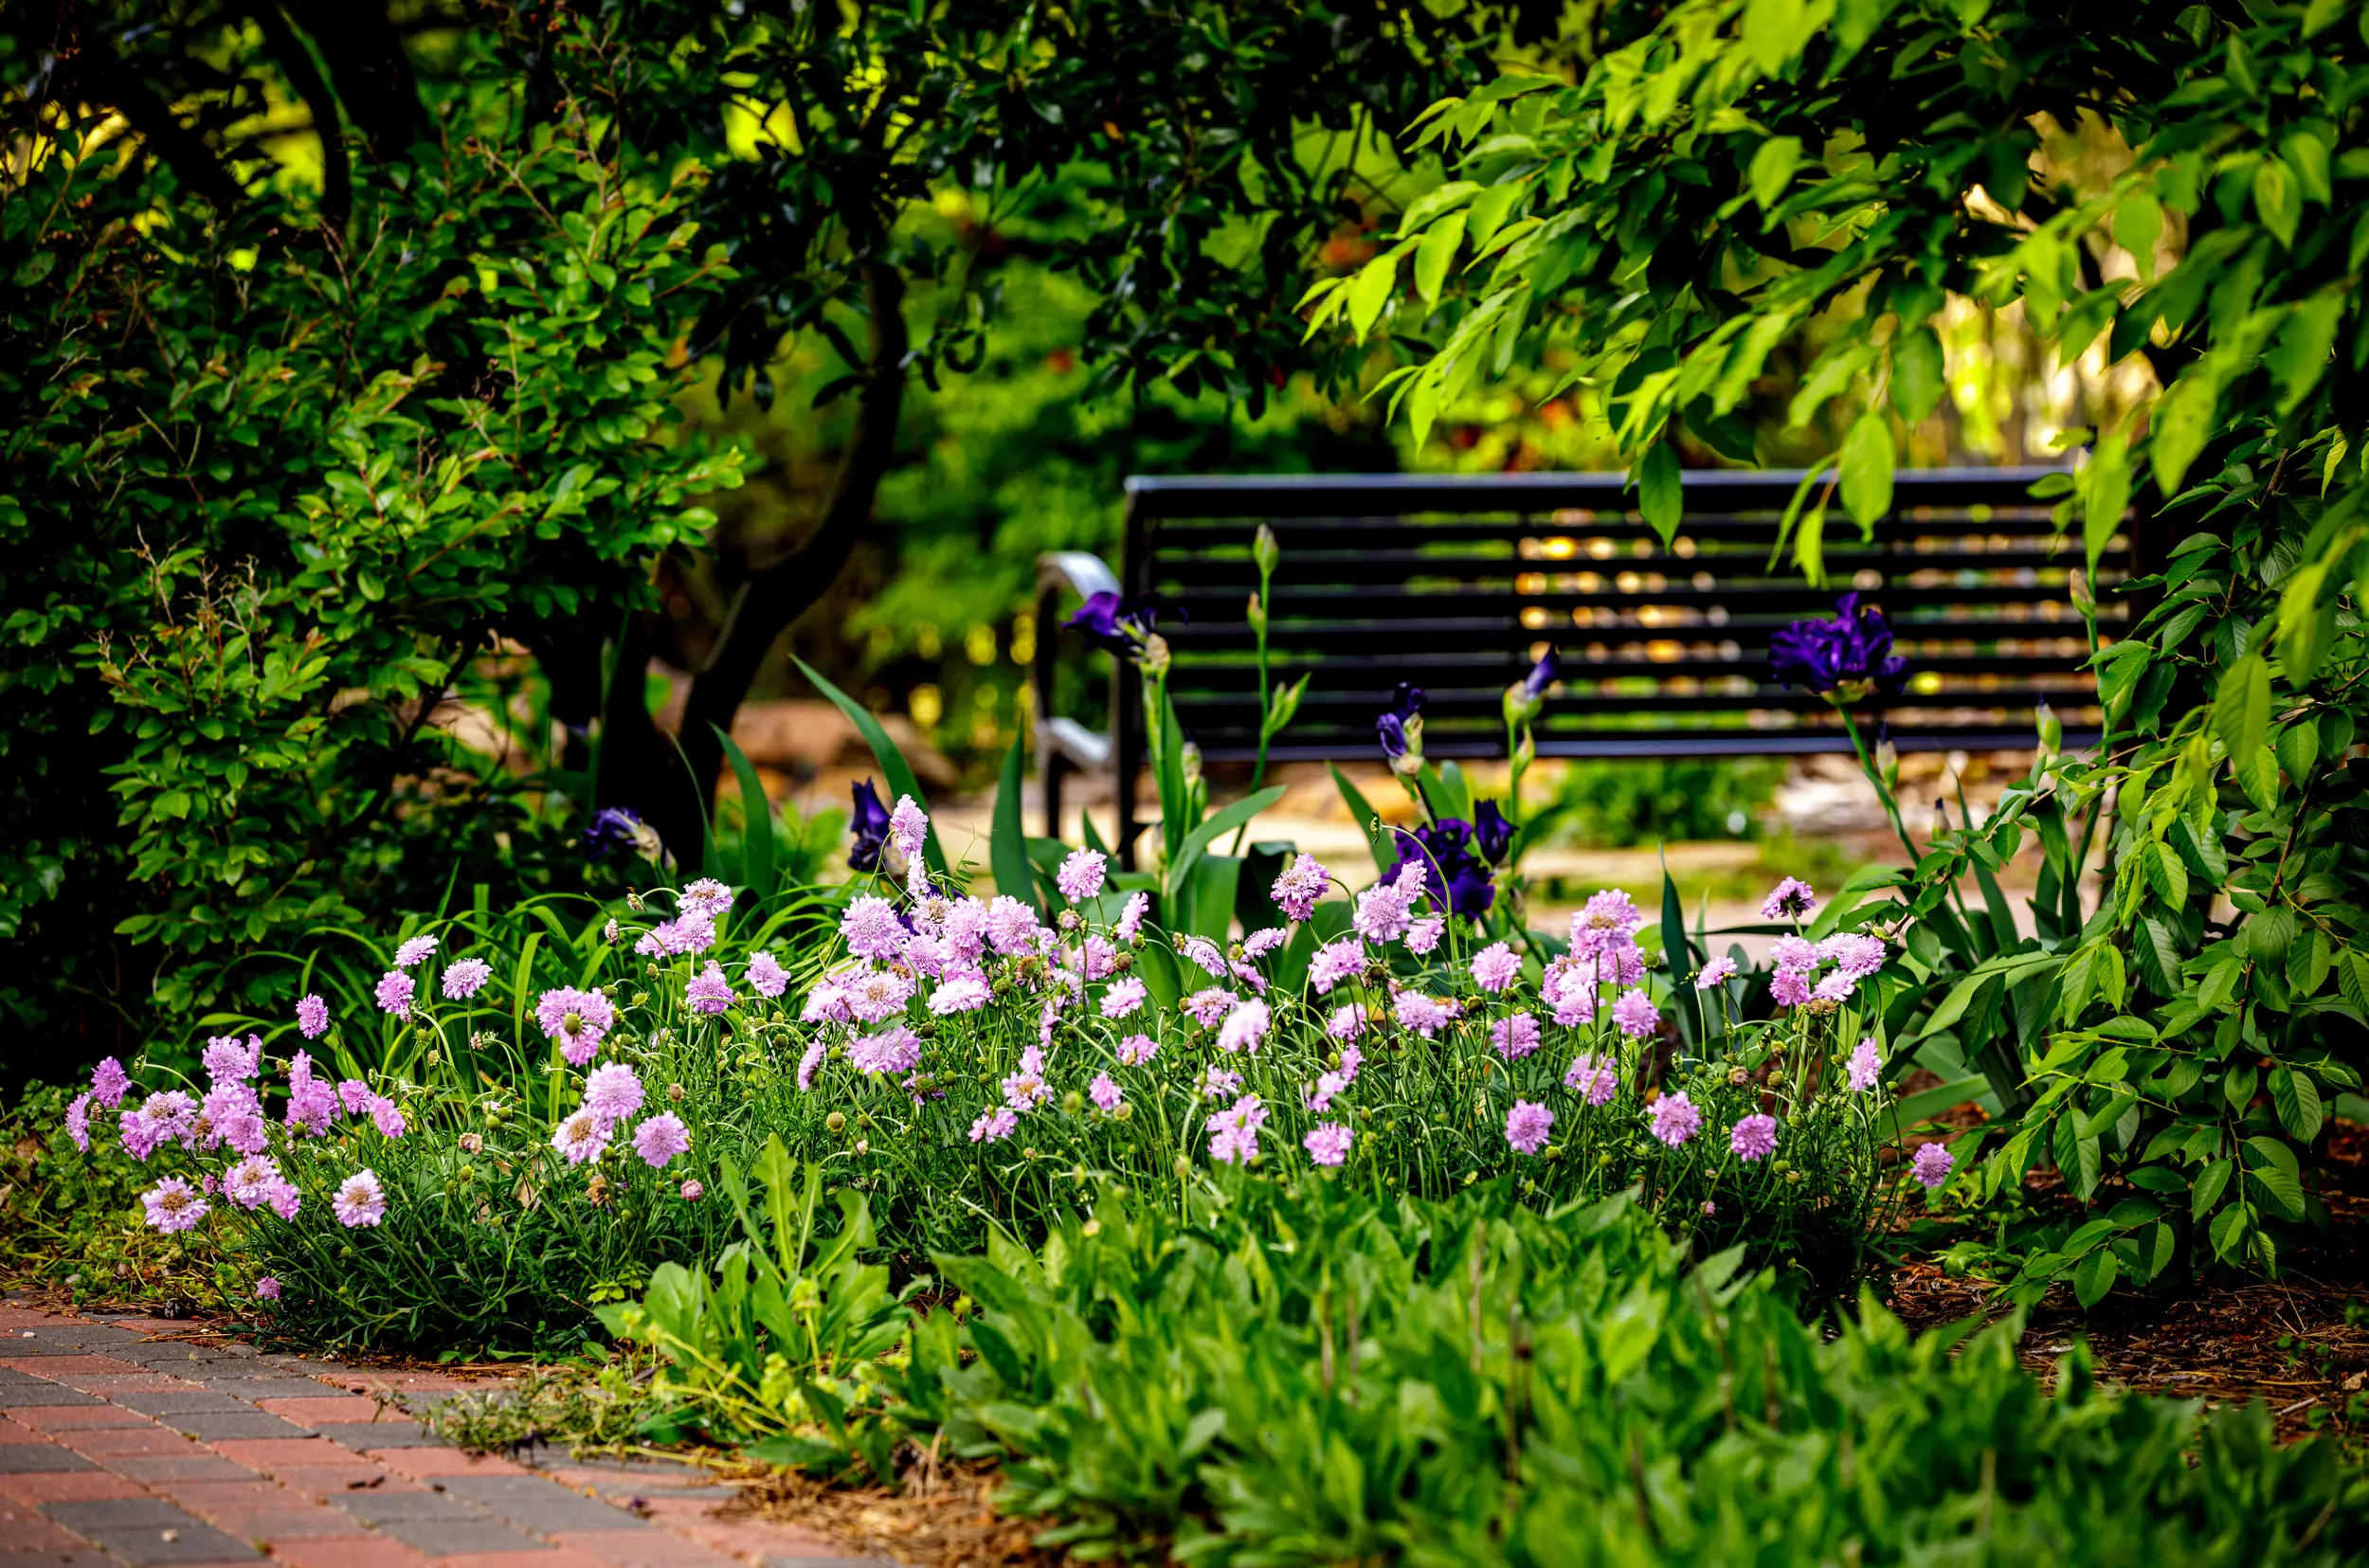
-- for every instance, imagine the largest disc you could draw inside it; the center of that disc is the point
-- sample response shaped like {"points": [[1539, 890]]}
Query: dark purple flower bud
{"points": [[1122, 626], [1491, 833], [867, 829], [613, 828], [1541, 676], [1400, 725], [1850, 655]]}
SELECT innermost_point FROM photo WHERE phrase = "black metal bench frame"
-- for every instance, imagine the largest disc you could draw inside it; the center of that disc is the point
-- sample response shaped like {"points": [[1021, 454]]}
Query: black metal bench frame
{"points": [[1971, 523]]}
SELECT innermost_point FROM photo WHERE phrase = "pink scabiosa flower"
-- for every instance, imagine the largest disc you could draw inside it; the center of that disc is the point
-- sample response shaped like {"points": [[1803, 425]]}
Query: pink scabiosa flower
{"points": [[1592, 1078], [960, 993], [1125, 999], [1334, 963], [908, 827], [1570, 991], [173, 1205], [582, 1137], [387, 1117], [1608, 918], [1207, 1006], [1130, 928], [312, 1017], [1080, 876], [613, 1092], [1495, 967], [1346, 1021], [1527, 1125], [284, 1198], [360, 1200], [872, 929], [1095, 959], [355, 1096], [1204, 954], [467, 979], [710, 993], [1426, 1016], [414, 952], [228, 1060], [1244, 1028], [395, 990], [1515, 1036], [1264, 941], [251, 1182], [267, 1287], [78, 1120], [1104, 1093], [312, 1104], [659, 1139], [993, 1126], [1136, 1050], [1634, 1011], [1796, 953], [1858, 954], [896, 1049], [1423, 935], [809, 1063], [1217, 1082], [109, 1083], [1790, 900], [1319, 1099], [1866, 1065], [1234, 1131], [1328, 1144], [692, 1191], [1384, 910], [1673, 1119], [767, 977], [1301, 885], [1718, 972], [1027, 1088], [577, 1020], [1788, 988], [705, 898], [1011, 926], [1836, 986], [1753, 1137], [1932, 1165], [877, 995]]}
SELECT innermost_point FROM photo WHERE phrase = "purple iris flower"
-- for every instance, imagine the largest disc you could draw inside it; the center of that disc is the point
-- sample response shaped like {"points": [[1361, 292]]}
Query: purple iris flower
{"points": [[1392, 726], [613, 828], [1491, 833], [1115, 624], [1851, 653], [867, 829], [1448, 869], [1541, 676]]}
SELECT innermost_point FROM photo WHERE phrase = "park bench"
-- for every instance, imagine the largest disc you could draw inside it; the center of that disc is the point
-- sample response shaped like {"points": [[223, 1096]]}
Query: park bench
{"points": [[1459, 583]]}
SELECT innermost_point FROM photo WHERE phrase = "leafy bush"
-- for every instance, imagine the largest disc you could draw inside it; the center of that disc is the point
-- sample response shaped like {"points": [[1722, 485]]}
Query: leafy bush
{"points": [[1307, 1376], [1619, 802]]}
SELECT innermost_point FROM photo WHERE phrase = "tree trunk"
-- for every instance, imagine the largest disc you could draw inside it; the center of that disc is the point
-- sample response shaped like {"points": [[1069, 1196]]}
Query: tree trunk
{"points": [[640, 768]]}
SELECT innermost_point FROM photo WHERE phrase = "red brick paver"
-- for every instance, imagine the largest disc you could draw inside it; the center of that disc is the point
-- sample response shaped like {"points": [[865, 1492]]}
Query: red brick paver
{"points": [[306, 1500]]}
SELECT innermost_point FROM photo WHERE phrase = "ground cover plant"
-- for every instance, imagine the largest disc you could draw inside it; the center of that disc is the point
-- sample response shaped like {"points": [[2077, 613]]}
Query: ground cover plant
{"points": [[1304, 1372]]}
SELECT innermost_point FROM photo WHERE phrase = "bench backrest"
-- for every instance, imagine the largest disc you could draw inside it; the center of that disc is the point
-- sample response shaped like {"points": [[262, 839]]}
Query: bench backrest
{"points": [[1458, 583]]}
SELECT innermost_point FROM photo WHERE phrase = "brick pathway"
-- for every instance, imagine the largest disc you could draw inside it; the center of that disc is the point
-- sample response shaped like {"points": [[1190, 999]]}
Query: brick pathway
{"points": [[120, 1444]]}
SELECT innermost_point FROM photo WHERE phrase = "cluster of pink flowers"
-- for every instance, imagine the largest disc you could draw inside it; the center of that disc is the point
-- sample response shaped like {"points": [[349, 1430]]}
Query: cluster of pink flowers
{"points": [[612, 1094], [1853, 956]]}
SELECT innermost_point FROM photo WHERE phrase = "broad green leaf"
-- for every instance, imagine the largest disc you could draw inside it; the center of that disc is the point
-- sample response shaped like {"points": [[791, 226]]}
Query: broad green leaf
{"points": [[2241, 706], [1918, 380], [2211, 1181], [756, 816], [2137, 225], [1775, 31], [1432, 203], [1197, 841], [1361, 812], [1436, 254], [2298, 1101], [1661, 493], [2104, 496], [1867, 470], [2094, 1276], [1375, 283], [1772, 168], [1007, 840], [2277, 200], [2301, 353], [2166, 875], [893, 764], [2228, 1229], [2183, 422]]}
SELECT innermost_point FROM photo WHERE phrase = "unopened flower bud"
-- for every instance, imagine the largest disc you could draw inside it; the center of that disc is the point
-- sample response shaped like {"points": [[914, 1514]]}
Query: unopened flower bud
{"points": [[674, 1093], [1255, 614], [1154, 658], [2077, 590], [836, 1122], [1072, 1101], [2052, 727], [1887, 762], [1191, 760], [1264, 551]]}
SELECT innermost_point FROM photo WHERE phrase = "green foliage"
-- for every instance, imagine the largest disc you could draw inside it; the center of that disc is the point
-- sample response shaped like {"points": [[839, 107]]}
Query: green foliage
{"points": [[1616, 802], [1305, 1375], [252, 565]]}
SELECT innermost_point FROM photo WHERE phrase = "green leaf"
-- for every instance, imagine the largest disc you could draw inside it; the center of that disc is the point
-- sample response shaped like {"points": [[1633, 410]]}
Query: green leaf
{"points": [[1376, 280], [2166, 875], [1772, 168], [2277, 200], [1661, 493], [1200, 837], [1007, 840], [1432, 203], [2183, 422], [2094, 1276], [1867, 470], [1367, 819], [1679, 955], [2300, 355], [1917, 374], [1436, 254], [2209, 1183], [1774, 32], [2298, 1101], [756, 816], [2241, 706], [2229, 1230], [2137, 225], [2104, 483], [893, 764]]}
